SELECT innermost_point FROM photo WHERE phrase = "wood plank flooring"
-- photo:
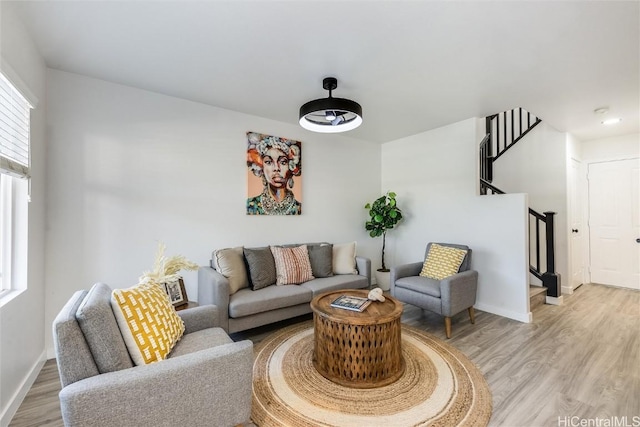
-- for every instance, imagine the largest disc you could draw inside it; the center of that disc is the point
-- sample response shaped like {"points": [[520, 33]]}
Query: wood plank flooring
{"points": [[581, 360]]}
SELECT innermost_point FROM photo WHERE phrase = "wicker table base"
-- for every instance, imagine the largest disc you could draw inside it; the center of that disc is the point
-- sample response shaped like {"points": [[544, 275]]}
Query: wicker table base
{"points": [[361, 350]]}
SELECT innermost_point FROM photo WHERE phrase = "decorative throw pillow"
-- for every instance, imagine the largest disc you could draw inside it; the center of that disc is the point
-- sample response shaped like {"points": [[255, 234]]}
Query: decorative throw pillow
{"points": [[230, 263], [442, 261], [344, 258], [321, 258], [149, 323], [292, 265], [261, 266]]}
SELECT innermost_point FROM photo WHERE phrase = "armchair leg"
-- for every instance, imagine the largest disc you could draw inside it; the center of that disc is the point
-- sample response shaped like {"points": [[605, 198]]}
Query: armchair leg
{"points": [[472, 315], [447, 326]]}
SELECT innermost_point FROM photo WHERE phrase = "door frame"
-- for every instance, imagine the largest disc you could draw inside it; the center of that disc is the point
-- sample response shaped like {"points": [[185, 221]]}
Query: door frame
{"points": [[588, 203]]}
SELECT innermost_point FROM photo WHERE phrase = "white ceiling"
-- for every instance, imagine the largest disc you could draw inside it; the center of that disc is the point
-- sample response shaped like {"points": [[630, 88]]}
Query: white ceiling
{"points": [[412, 65]]}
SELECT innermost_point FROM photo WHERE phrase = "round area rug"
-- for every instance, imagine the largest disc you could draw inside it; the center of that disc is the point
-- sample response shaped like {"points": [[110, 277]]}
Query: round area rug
{"points": [[440, 387]]}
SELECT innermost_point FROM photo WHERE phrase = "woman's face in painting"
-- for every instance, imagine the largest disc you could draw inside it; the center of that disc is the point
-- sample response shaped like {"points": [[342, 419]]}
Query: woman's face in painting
{"points": [[276, 167]]}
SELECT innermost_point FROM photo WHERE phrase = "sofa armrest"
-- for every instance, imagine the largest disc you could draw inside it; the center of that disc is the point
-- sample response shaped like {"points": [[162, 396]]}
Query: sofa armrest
{"points": [[199, 318], [403, 270], [364, 267], [213, 288], [458, 292], [208, 387]]}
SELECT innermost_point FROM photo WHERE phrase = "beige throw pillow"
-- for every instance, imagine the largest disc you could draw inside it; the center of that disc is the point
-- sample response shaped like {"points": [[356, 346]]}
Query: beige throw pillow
{"points": [[344, 258], [230, 263], [292, 265]]}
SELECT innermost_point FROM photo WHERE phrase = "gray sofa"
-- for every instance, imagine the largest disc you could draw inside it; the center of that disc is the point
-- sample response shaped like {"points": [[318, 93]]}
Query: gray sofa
{"points": [[206, 380], [247, 308]]}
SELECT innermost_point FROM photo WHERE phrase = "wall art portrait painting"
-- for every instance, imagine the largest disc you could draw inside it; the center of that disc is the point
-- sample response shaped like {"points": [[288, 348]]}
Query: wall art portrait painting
{"points": [[274, 175]]}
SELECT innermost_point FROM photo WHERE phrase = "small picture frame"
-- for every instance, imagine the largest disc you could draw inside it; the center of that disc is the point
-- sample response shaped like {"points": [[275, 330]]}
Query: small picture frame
{"points": [[177, 293]]}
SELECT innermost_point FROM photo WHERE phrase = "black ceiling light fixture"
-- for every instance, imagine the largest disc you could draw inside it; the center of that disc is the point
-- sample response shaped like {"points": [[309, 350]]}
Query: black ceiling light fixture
{"points": [[330, 115]]}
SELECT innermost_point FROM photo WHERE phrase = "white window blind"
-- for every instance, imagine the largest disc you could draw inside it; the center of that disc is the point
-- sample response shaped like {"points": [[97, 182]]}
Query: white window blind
{"points": [[14, 130]]}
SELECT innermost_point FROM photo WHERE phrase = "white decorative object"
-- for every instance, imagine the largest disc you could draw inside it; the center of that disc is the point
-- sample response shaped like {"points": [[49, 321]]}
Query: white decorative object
{"points": [[376, 295]]}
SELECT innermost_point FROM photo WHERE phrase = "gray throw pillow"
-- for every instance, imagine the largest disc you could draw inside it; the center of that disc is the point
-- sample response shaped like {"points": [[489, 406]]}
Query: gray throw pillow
{"points": [[321, 257], [261, 266]]}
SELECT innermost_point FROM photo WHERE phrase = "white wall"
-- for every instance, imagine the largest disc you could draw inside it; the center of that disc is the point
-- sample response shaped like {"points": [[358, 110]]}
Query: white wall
{"points": [[614, 148], [22, 326], [435, 177], [537, 165], [128, 168]]}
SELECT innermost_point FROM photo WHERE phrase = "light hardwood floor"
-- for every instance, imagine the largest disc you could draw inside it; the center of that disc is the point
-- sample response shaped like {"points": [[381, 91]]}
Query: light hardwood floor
{"points": [[581, 360]]}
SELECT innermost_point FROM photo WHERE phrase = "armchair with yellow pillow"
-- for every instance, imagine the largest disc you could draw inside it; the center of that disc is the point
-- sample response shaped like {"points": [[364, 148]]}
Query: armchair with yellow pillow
{"points": [[126, 357], [443, 283]]}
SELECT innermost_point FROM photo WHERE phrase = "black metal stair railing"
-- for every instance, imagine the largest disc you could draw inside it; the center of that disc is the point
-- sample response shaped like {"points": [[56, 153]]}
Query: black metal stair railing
{"points": [[549, 277], [503, 131], [509, 127]]}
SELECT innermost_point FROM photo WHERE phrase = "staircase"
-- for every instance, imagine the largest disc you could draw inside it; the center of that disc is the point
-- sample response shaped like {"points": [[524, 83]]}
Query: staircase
{"points": [[537, 296], [503, 131]]}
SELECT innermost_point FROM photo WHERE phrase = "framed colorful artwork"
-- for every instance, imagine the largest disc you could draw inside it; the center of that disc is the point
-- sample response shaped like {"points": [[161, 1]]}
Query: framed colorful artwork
{"points": [[274, 175]]}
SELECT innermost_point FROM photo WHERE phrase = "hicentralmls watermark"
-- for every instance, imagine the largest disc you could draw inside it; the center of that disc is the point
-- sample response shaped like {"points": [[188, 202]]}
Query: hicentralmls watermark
{"points": [[575, 421]]}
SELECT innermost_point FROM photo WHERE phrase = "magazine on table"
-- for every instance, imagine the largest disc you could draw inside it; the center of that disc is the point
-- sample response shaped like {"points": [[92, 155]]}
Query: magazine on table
{"points": [[352, 303]]}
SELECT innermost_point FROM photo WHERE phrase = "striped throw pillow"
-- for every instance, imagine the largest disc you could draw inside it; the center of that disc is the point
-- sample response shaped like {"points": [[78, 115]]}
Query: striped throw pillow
{"points": [[149, 323], [292, 265], [442, 261]]}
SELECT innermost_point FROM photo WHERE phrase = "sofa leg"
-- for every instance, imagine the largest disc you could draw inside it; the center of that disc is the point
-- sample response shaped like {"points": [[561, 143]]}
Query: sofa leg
{"points": [[472, 315], [447, 326]]}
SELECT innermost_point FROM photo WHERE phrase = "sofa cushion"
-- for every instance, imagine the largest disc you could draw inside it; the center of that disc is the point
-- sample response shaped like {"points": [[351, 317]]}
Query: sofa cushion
{"points": [[200, 340], [292, 265], [344, 258], [148, 322], [442, 261], [230, 263], [100, 329], [424, 285], [321, 258], [334, 283], [246, 302], [261, 267]]}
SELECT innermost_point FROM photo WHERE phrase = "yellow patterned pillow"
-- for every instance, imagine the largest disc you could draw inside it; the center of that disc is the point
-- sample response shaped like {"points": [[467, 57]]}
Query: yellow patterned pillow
{"points": [[148, 322], [442, 261]]}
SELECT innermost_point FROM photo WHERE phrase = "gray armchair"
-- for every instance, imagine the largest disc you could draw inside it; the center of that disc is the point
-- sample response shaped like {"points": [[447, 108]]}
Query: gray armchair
{"points": [[447, 297], [205, 381]]}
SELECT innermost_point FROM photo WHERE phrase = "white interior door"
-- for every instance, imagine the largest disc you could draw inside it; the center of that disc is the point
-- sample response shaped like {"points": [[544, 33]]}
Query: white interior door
{"points": [[577, 229], [614, 222]]}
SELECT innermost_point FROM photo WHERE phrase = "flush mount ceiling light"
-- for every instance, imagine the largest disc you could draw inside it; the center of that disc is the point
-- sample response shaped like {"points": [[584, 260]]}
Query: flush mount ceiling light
{"points": [[330, 115], [612, 121]]}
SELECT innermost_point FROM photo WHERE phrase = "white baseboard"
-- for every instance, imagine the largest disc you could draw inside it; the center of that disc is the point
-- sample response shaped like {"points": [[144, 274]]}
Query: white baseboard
{"points": [[555, 301], [19, 395], [566, 290], [520, 317], [51, 353]]}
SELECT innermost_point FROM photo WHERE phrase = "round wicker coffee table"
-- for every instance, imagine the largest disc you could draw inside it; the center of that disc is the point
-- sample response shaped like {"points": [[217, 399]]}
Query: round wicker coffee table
{"points": [[357, 349]]}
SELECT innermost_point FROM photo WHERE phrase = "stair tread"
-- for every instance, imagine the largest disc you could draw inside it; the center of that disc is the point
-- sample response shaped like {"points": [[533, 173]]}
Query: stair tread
{"points": [[535, 290]]}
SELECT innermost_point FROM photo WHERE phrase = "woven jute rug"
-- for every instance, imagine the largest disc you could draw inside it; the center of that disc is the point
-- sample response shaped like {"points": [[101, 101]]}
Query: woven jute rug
{"points": [[440, 387]]}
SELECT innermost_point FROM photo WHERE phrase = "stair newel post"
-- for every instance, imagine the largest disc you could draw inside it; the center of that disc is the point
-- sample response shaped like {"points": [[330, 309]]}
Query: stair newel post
{"points": [[551, 279]]}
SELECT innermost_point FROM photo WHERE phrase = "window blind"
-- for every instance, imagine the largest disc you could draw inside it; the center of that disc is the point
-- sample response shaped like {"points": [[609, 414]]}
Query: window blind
{"points": [[14, 130]]}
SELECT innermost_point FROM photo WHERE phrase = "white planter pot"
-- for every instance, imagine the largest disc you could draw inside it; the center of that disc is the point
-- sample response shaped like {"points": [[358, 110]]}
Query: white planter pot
{"points": [[382, 279]]}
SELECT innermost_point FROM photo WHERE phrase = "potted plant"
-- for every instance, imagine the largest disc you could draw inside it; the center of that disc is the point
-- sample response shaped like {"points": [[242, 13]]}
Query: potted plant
{"points": [[384, 215]]}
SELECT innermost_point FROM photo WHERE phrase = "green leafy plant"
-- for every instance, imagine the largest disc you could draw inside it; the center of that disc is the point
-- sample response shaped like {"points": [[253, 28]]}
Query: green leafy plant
{"points": [[384, 215]]}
